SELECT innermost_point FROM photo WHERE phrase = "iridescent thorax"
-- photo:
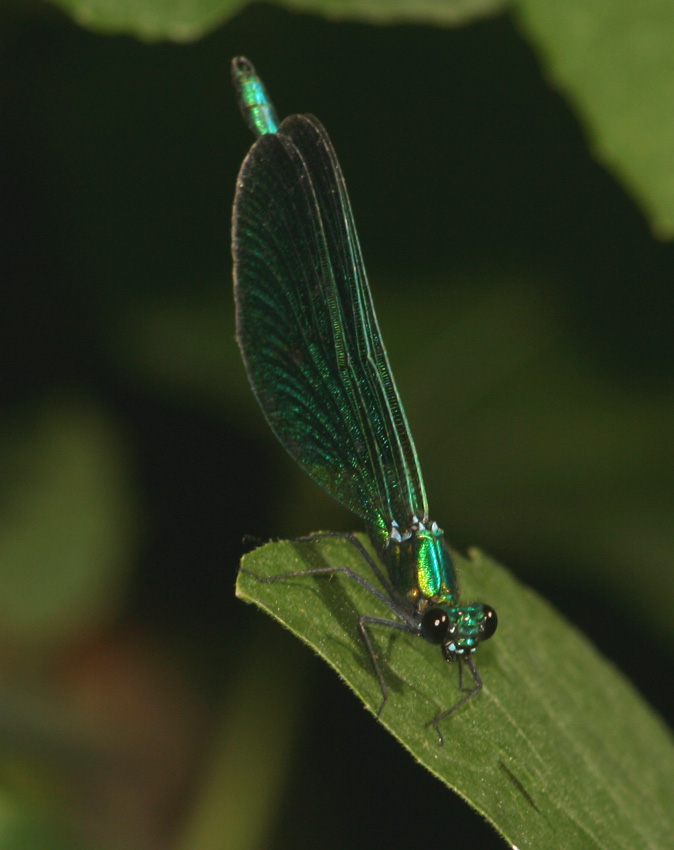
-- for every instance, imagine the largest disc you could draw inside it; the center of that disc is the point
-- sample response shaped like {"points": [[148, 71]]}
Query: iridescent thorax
{"points": [[420, 565]]}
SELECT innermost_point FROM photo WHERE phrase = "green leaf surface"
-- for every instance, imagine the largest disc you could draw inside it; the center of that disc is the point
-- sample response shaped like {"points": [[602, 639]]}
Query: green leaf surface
{"points": [[615, 63], [556, 751]]}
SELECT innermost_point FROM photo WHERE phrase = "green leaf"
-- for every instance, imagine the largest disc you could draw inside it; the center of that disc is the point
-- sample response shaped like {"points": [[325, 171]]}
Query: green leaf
{"points": [[439, 12], [556, 751], [151, 20], [614, 61], [186, 20]]}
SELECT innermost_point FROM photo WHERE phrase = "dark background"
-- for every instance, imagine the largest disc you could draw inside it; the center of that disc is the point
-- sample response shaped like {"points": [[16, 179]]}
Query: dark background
{"points": [[483, 219]]}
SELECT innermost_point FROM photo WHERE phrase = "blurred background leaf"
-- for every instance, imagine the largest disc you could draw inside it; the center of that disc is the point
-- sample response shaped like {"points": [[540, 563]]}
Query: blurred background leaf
{"points": [[67, 531], [151, 20], [528, 313], [25, 828], [614, 63], [188, 19]]}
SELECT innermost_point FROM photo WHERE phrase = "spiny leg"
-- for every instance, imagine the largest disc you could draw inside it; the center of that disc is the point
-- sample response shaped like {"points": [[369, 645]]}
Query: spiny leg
{"points": [[363, 622], [461, 685], [362, 551], [435, 722], [317, 571]]}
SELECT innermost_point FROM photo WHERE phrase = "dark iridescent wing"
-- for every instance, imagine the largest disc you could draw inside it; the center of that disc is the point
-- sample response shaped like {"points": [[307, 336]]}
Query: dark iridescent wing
{"points": [[307, 329]]}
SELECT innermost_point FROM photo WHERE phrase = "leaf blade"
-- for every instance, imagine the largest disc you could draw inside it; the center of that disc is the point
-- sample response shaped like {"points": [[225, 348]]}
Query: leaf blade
{"points": [[557, 750]]}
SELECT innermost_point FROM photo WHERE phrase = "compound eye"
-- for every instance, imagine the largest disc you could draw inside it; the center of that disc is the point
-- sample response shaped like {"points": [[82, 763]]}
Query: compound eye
{"points": [[489, 623], [434, 625]]}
